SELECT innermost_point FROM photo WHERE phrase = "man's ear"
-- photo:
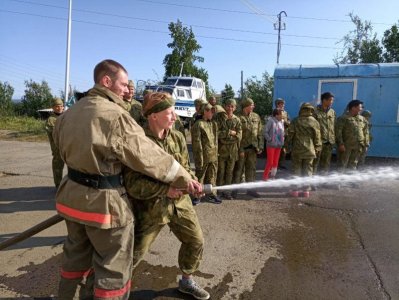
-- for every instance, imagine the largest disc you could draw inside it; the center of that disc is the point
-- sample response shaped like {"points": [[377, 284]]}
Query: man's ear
{"points": [[106, 81]]}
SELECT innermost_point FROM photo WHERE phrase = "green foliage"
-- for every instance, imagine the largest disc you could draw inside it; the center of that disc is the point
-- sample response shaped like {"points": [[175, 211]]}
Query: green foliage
{"points": [[23, 128], [228, 92], [184, 48], [261, 91], [37, 96], [391, 44], [6, 104], [360, 44]]}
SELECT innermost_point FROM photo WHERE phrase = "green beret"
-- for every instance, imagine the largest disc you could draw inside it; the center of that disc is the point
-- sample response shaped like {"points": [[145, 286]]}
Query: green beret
{"points": [[247, 102], [198, 102], [230, 102], [205, 106], [156, 102], [307, 105], [57, 101]]}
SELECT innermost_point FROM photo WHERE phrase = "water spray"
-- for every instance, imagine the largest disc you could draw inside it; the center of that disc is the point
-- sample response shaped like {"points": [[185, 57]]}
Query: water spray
{"points": [[371, 175]]}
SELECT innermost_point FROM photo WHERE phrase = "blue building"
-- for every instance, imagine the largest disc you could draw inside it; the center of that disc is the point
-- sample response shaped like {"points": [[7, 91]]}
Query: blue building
{"points": [[377, 85]]}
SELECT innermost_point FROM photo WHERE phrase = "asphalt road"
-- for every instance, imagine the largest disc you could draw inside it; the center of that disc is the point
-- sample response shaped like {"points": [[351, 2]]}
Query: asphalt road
{"points": [[337, 244]]}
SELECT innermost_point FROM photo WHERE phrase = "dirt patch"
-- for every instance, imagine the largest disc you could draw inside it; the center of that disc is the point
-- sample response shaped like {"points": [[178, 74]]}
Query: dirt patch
{"points": [[12, 135]]}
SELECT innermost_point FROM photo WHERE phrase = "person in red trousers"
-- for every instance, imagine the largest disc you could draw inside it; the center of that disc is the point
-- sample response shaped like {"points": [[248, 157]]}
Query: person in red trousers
{"points": [[274, 137]]}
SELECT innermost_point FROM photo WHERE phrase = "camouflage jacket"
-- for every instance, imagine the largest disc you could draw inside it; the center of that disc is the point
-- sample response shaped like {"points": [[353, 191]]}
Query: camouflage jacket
{"points": [[205, 142], [179, 126], [252, 137], [97, 136], [326, 120], [228, 145], [287, 120], [149, 195], [194, 119], [49, 126], [304, 136], [136, 111], [352, 131]]}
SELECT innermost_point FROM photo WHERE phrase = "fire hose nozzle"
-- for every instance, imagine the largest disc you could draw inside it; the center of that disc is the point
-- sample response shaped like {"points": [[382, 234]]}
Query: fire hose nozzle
{"points": [[207, 188]]}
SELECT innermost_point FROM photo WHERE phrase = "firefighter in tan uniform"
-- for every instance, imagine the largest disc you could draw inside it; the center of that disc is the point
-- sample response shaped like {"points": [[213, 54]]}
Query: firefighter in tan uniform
{"points": [[57, 162], [97, 138], [156, 204]]}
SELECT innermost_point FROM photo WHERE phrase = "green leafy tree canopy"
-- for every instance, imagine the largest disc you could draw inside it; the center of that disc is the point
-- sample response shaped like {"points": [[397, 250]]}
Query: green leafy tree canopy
{"points": [[227, 93], [261, 92], [184, 48], [391, 44], [37, 96], [6, 92], [360, 45]]}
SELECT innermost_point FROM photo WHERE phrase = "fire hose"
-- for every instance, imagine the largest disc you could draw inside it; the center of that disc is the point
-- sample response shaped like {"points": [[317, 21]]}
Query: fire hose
{"points": [[207, 188]]}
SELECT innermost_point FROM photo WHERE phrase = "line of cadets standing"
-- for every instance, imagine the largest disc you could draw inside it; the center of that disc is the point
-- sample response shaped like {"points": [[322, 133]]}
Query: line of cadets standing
{"points": [[225, 146], [310, 138]]}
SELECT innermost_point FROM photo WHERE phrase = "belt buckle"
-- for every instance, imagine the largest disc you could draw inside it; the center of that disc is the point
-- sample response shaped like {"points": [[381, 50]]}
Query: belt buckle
{"points": [[95, 183]]}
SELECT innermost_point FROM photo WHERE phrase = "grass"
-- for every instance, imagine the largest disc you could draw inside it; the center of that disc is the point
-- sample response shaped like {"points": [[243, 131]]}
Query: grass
{"points": [[22, 129]]}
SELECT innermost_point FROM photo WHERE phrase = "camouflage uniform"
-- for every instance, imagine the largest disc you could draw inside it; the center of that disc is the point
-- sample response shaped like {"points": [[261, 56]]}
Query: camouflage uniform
{"points": [[179, 126], [353, 133], [153, 209], [228, 147], [97, 138], [326, 121], [197, 115], [251, 143], [304, 141], [136, 111], [362, 160], [204, 141], [57, 162]]}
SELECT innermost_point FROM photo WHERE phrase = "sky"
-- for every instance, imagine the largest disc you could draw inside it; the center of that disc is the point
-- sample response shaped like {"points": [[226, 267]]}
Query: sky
{"points": [[235, 36]]}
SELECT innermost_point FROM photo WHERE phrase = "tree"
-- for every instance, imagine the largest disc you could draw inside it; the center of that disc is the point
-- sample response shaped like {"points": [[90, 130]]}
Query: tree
{"points": [[391, 44], [6, 92], [228, 92], [184, 48], [37, 96], [360, 44], [261, 91]]}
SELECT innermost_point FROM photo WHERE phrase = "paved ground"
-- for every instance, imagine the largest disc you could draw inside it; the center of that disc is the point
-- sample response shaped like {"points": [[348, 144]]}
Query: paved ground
{"points": [[338, 244]]}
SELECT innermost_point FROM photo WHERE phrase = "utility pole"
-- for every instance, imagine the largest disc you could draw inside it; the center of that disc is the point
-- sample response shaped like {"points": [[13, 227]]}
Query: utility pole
{"points": [[68, 51], [279, 26]]}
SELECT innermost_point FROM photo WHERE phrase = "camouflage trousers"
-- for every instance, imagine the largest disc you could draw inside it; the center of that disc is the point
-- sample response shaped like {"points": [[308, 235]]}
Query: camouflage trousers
{"points": [[246, 164], [302, 167], [184, 224], [349, 159], [323, 159], [362, 159], [97, 263], [58, 167], [207, 173], [57, 164], [225, 171]]}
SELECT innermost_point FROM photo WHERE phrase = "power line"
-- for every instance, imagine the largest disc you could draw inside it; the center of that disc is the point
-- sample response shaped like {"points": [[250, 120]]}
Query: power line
{"points": [[165, 32], [252, 13], [186, 24]]}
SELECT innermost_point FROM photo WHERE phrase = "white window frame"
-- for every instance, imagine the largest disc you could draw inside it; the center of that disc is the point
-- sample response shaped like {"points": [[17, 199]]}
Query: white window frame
{"points": [[349, 80]]}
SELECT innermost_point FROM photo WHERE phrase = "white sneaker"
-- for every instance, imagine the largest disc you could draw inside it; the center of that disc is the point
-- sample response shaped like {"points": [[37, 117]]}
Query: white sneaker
{"points": [[191, 287]]}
